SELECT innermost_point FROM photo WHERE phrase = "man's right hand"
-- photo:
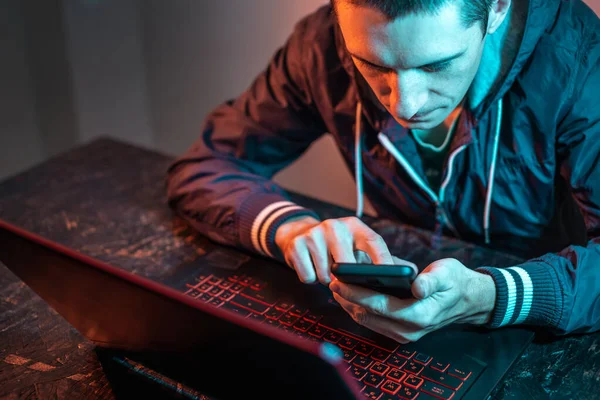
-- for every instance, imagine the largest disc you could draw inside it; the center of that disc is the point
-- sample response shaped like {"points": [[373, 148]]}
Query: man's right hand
{"points": [[311, 246]]}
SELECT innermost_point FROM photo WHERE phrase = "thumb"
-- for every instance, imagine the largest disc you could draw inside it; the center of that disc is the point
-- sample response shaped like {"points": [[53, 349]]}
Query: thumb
{"points": [[434, 278], [437, 277], [425, 285]]}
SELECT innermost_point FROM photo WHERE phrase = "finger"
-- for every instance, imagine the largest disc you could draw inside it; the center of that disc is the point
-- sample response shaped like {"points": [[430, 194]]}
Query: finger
{"points": [[362, 257], [298, 257], [374, 302], [435, 278], [370, 242], [317, 246], [381, 325], [339, 241]]}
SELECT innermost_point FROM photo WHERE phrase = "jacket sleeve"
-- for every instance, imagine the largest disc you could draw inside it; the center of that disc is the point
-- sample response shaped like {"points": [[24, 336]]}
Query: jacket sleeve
{"points": [[222, 186], [562, 291]]}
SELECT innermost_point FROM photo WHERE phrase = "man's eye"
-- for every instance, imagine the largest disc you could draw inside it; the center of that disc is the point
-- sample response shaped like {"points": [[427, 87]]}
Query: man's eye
{"points": [[436, 67], [379, 68], [374, 67]]}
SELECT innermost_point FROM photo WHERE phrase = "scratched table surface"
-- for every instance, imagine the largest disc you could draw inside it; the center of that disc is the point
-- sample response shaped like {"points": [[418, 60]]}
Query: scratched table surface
{"points": [[108, 199]]}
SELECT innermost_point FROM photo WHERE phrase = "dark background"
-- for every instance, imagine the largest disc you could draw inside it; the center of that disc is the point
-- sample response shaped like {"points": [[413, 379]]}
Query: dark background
{"points": [[143, 71]]}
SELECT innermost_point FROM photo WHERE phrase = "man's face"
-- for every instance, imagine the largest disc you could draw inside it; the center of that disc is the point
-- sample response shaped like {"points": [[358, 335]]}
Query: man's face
{"points": [[419, 66]]}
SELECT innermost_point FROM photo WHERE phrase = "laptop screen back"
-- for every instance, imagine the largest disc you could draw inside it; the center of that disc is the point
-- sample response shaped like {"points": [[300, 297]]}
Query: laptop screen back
{"points": [[119, 310]]}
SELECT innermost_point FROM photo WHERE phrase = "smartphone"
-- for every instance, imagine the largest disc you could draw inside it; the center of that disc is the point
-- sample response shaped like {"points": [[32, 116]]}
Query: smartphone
{"points": [[395, 280]]}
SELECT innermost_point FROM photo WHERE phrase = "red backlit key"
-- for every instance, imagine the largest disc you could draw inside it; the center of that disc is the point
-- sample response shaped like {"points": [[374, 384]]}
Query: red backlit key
{"points": [[273, 314], [348, 355], [312, 317], [302, 325], [390, 387], [372, 393], [363, 348], [379, 368], [216, 302], [205, 287], [193, 293], [249, 304], [413, 381], [380, 355], [405, 353], [257, 285], [413, 368], [373, 379], [332, 337], [442, 379], [396, 375], [436, 390], [362, 361], [214, 280], [347, 342], [262, 296], [357, 372], [406, 393], [288, 319], [236, 287], [317, 331], [225, 295], [459, 373], [439, 366], [236, 309], [245, 281], [204, 297], [298, 311], [272, 322], [395, 361], [284, 305], [225, 284]]}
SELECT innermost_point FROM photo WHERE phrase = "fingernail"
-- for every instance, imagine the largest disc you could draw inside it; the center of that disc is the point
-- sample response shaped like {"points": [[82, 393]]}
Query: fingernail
{"points": [[425, 287], [334, 286]]}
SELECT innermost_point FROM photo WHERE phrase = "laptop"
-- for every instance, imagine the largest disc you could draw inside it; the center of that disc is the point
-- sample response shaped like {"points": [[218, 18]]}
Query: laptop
{"points": [[232, 325]]}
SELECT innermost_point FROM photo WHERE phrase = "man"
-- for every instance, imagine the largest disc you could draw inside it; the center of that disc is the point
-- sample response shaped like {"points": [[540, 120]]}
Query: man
{"points": [[478, 119]]}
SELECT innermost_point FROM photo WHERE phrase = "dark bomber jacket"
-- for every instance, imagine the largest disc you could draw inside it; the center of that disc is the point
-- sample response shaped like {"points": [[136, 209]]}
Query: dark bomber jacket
{"points": [[522, 173]]}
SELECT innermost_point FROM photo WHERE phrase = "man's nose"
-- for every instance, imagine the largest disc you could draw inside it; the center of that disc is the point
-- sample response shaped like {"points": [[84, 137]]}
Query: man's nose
{"points": [[409, 94]]}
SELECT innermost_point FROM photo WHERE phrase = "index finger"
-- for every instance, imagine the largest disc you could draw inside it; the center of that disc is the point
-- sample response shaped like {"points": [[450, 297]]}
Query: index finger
{"points": [[371, 243]]}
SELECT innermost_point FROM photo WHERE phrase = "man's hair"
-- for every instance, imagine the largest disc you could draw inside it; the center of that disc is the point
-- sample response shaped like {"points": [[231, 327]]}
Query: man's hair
{"points": [[472, 10]]}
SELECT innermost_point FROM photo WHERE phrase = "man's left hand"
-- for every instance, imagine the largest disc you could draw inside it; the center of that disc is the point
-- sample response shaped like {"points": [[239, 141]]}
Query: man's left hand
{"points": [[445, 292]]}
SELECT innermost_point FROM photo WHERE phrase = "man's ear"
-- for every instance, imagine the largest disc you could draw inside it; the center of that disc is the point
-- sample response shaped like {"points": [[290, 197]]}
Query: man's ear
{"points": [[498, 13]]}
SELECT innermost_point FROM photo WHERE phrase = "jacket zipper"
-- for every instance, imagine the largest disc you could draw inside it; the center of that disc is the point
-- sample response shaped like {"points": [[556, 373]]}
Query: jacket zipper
{"points": [[445, 184], [438, 200]]}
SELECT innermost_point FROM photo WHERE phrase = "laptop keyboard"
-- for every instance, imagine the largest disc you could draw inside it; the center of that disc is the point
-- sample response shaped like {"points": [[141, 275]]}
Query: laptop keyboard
{"points": [[385, 370]]}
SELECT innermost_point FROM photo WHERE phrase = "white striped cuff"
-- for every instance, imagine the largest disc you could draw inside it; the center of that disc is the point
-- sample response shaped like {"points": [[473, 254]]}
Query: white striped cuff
{"points": [[260, 216], [525, 294]]}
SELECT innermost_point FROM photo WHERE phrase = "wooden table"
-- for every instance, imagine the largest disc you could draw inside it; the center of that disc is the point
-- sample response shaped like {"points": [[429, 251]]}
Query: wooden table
{"points": [[108, 200]]}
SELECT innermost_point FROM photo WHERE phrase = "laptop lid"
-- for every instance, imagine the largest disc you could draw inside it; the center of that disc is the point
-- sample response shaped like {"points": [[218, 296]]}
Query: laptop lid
{"points": [[117, 309]]}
